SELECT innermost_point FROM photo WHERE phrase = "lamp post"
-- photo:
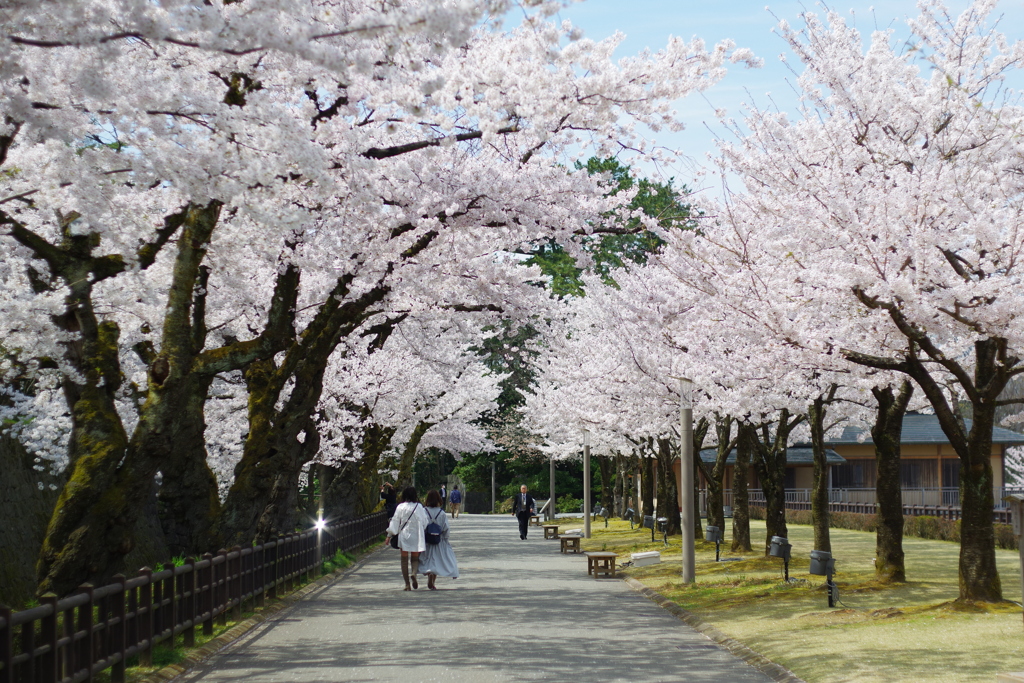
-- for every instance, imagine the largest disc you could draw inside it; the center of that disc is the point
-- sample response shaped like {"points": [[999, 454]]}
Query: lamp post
{"points": [[551, 496], [586, 483], [493, 509], [686, 476]]}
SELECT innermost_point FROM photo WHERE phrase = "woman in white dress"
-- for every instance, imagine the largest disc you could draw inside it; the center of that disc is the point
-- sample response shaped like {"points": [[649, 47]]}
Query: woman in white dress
{"points": [[439, 558], [408, 523]]}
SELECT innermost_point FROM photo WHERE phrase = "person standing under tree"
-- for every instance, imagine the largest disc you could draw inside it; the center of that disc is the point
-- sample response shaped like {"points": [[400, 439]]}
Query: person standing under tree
{"points": [[456, 501], [444, 496], [523, 507]]}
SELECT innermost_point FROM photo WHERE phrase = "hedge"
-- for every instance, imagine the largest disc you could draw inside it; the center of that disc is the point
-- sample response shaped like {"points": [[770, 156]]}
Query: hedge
{"points": [[922, 526]]}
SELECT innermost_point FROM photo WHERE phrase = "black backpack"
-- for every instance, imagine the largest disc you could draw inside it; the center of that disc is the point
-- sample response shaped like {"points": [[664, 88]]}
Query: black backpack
{"points": [[432, 534]]}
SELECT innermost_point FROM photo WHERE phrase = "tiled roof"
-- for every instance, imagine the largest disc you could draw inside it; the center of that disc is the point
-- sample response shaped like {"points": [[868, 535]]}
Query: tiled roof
{"points": [[795, 455], [923, 429]]}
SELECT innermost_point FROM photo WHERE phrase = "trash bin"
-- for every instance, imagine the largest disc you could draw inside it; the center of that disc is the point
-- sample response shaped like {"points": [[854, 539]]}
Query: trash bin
{"points": [[713, 534]]}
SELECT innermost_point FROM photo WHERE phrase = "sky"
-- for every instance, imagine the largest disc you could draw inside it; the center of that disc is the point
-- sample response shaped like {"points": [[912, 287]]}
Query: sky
{"points": [[647, 24]]}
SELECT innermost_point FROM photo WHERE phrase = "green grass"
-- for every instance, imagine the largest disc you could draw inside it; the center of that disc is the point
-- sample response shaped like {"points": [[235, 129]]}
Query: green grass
{"points": [[906, 632]]}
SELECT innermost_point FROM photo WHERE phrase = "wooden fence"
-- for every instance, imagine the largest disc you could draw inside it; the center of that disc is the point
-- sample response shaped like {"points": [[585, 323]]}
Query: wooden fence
{"points": [[93, 629]]}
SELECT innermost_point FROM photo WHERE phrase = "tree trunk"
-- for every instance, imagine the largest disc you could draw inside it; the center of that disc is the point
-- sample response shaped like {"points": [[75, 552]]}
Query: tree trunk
{"points": [[409, 454], [647, 481], [715, 475], [819, 492], [886, 433], [604, 466], [621, 490], [770, 461], [668, 489], [741, 474]]}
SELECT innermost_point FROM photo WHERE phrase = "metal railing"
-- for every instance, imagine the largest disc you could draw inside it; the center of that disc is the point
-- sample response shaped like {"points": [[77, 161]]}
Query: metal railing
{"points": [[936, 502], [97, 628]]}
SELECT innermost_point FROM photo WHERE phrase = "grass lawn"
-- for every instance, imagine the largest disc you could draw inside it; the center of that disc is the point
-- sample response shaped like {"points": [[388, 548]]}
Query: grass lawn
{"points": [[911, 632]]}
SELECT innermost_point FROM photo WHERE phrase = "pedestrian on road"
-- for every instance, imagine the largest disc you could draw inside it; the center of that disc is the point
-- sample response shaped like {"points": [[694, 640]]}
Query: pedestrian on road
{"points": [[408, 525], [523, 507], [456, 501], [387, 494], [444, 496], [439, 558]]}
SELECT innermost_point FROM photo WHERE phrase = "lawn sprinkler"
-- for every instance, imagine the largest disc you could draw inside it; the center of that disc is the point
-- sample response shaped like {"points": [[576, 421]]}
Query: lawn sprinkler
{"points": [[630, 515], [822, 564], [648, 523], [713, 533], [604, 513], [780, 547]]}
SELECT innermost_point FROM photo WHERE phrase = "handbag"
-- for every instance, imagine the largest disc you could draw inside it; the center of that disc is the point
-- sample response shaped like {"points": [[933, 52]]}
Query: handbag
{"points": [[394, 539]]}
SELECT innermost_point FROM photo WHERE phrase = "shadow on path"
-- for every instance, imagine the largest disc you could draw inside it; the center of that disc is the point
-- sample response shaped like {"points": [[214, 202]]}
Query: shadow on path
{"points": [[521, 611]]}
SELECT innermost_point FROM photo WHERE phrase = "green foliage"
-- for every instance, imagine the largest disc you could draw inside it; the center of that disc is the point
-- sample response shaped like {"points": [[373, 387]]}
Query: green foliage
{"points": [[635, 244], [178, 561], [567, 504], [339, 561]]}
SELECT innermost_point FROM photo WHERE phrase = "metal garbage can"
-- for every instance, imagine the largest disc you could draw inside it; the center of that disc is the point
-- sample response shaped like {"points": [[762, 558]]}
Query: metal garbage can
{"points": [[822, 563], [713, 534]]}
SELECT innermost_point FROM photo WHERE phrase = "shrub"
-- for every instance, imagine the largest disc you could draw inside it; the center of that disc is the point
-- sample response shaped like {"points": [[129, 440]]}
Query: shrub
{"points": [[568, 504], [505, 506]]}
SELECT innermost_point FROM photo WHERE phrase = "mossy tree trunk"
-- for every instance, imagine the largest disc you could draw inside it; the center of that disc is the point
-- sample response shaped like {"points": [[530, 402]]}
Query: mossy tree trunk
{"points": [[647, 481], [668, 488], [714, 474], [604, 466], [740, 498], [816, 412], [886, 432], [621, 488], [770, 461], [408, 457]]}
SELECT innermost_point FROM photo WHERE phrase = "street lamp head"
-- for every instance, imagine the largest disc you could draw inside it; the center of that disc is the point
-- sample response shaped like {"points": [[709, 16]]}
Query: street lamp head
{"points": [[586, 437], [320, 525]]}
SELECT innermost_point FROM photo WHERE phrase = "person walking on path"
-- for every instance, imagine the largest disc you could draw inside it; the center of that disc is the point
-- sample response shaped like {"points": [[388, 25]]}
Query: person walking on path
{"points": [[456, 501], [523, 507], [387, 494], [439, 558], [444, 496], [408, 524]]}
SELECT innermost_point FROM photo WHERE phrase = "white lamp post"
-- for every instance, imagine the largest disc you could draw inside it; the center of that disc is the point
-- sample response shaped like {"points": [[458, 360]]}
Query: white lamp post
{"points": [[551, 496], [586, 483], [686, 477]]}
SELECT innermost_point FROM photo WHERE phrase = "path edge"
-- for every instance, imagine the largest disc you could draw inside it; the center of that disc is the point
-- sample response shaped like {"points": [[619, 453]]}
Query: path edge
{"points": [[766, 666], [201, 655]]}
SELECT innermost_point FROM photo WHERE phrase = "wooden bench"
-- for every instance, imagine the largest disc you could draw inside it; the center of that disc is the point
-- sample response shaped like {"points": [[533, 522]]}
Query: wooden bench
{"points": [[601, 563], [550, 530], [535, 520], [570, 543]]}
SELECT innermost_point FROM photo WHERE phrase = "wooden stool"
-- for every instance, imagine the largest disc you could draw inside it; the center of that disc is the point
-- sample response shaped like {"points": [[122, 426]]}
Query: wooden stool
{"points": [[601, 563], [570, 543], [550, 531], [535, 520]]}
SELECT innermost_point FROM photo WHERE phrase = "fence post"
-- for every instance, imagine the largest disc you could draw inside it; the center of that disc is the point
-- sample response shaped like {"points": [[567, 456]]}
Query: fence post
{"points": [[270, 572], [6, 645], [188, 596], [259, 570], [236, 583], [144, 618], [48, 667], [171, 596], [117, 632], [85, 650], [207, 585]]}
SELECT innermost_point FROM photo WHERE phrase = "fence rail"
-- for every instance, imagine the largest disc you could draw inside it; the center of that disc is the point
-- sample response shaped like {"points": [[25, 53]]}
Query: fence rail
{"points": [[916, 502], [97, 628]]}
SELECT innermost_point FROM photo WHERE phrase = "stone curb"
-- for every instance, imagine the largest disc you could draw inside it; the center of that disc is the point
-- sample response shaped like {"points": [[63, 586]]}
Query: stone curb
{"points": [[200, 655], [760, 662]]}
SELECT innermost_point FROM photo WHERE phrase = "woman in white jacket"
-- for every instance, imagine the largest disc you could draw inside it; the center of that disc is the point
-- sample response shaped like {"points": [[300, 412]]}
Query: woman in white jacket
{"points": [[408, 523]]}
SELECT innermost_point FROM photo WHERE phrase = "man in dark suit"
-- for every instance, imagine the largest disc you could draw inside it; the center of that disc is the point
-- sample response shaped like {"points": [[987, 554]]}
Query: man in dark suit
{"points": [[523, 507]]}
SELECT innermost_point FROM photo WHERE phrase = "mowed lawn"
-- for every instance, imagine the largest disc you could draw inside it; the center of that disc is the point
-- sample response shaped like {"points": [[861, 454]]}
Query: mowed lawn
{"points": [[911, 632]]}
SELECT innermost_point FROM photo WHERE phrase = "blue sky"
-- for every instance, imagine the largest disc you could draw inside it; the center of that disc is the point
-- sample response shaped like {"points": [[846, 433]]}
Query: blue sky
{"points": [[649, 23]]}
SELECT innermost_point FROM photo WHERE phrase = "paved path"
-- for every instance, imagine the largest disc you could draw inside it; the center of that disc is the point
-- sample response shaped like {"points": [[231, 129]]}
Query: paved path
{"points": [[521, 611]]}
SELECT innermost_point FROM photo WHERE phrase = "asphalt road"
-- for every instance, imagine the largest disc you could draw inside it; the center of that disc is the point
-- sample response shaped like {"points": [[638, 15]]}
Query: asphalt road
{"points": [[521, 611]]}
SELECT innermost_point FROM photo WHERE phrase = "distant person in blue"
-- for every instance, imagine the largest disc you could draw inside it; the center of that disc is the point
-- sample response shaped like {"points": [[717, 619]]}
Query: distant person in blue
{"points": [[439, 558], [456, 501]]}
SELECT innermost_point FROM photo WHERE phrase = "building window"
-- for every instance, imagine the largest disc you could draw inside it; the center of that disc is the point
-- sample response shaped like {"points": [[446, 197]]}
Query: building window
{"points": [[950, 473], [919, 474], [854, 474]]}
